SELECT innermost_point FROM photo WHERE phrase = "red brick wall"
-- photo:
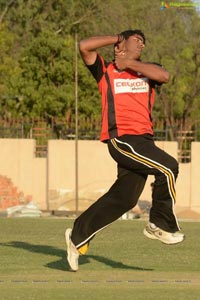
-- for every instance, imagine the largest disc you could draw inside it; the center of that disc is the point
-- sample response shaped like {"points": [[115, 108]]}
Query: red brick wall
{"points": [[10, 195]]}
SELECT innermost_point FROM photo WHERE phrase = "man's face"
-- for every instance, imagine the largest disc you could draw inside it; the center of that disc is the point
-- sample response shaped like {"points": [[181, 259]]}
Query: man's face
{"points": [[134, 45]]}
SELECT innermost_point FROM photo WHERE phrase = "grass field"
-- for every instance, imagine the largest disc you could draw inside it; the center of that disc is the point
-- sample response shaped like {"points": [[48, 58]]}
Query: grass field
{"points": [[121, 263]]}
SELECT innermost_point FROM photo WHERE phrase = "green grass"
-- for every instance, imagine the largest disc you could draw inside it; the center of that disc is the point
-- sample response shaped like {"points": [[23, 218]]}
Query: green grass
{"points": [[121, 263]]}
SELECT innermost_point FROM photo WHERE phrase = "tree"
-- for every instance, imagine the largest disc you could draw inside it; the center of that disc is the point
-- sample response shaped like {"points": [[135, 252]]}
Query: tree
{"points": [[8, 66], [45, 83], [37, 56]]}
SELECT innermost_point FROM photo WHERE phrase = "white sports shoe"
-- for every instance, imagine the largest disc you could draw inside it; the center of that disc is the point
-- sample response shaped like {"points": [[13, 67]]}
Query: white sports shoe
{"points": [[72, 252], [155, 233]]}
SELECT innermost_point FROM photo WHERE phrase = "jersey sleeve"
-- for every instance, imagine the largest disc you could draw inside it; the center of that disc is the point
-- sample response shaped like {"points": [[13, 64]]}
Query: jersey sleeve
{"points": [[98, 68], [155, 84]]}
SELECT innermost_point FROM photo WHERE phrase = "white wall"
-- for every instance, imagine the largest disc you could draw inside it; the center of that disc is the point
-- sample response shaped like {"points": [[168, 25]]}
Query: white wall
{"points": [[52, 180]]}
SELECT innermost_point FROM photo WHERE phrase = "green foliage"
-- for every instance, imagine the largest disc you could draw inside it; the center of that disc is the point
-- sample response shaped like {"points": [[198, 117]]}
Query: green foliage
{"points": [[8, 64], [37, 54]]}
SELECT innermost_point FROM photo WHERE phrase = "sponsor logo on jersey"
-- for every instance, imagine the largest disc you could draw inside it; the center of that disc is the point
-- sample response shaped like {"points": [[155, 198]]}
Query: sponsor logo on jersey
{"points": [[138, 85]]}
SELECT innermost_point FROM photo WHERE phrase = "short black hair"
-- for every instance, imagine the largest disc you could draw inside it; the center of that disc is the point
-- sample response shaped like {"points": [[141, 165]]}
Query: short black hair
{"points": [[127, 33]]}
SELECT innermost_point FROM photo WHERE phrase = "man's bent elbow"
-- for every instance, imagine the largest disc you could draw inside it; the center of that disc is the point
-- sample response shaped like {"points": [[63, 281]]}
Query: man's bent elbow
{"points": [[81, 46], [87, 52]]}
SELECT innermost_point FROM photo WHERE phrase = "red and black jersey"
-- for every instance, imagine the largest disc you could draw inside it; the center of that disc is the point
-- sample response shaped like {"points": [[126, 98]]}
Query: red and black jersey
{"points": [[127, 100]]}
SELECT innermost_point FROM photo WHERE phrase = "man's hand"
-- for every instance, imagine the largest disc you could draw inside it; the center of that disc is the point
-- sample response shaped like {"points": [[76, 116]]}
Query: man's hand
{"points": [[122, 60], [121, 55]]}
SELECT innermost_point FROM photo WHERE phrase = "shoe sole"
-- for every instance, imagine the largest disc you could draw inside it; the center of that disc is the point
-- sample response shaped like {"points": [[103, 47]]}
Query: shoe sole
{"points": [[149, 235], [67, 239], [153, 237]]}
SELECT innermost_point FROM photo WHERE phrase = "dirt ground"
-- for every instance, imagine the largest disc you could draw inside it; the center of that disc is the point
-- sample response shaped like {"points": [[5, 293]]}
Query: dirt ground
{"points": [[141, 210], [188, 214]]}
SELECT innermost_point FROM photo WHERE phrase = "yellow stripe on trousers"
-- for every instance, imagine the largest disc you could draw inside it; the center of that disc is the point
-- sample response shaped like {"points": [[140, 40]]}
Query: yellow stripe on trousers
{"points": [[149, 163]]}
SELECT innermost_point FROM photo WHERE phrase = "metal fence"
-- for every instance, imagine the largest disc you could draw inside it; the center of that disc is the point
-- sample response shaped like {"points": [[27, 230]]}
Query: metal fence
{"points": [[43, 129]]}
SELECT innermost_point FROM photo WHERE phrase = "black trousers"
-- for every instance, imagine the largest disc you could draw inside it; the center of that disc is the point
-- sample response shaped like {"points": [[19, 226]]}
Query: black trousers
{"points": [[136, 157]]}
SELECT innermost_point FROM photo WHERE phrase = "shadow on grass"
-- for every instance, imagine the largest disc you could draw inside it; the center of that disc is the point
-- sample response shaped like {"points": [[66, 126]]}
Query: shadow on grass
{"points": [[61, 263]]}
